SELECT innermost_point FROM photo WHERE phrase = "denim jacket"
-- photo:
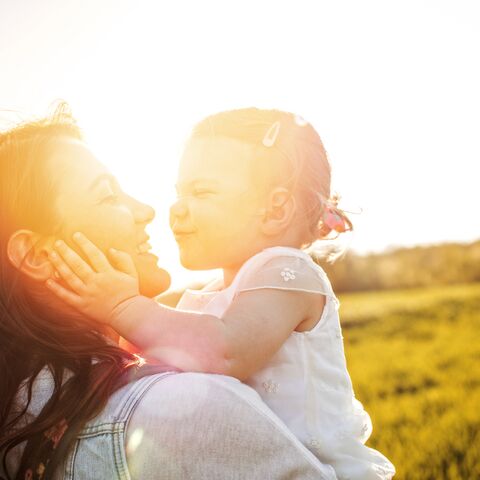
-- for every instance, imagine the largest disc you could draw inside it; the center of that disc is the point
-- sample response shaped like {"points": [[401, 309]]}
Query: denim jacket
{"points": [[183, 426]]}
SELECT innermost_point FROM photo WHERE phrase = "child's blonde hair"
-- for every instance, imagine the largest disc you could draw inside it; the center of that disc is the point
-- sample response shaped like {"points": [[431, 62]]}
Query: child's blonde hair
{"points": [[291, 152]]}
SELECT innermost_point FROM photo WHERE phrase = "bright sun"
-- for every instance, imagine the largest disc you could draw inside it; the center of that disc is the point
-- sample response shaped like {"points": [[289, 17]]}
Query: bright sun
{"points": [[146, 167], [398, 113]]}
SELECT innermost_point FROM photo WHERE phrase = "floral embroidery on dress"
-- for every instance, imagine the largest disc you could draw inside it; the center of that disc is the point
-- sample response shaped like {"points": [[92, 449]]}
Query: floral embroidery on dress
{"points": [[314, 443], [288, 274], [364, 429], [270, 386], [337, 331], [342, 433]]}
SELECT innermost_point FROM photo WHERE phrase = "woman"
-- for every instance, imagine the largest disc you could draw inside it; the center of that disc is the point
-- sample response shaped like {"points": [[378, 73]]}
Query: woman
{"points": [[73, 403]]}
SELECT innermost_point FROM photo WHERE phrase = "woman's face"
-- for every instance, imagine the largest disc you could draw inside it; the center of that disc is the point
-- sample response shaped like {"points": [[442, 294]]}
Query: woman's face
{"points": [[216, 219], [91, 201]]}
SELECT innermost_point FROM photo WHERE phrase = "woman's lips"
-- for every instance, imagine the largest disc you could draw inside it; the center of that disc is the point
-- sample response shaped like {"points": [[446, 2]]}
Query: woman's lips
{"points": [[144, 247]]}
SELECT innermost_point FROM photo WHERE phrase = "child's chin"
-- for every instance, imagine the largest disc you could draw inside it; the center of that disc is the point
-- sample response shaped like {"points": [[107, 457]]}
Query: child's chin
{"points": [[194, 264]]}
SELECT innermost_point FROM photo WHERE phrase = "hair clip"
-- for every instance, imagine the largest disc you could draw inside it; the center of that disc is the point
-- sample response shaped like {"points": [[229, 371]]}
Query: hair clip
{"points": [[300, 121], [271, 136], [333, 220], [334, 217]]}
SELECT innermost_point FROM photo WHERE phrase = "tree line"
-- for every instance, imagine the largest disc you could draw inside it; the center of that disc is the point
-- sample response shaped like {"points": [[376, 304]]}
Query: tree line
{"points": [[442, 264]]}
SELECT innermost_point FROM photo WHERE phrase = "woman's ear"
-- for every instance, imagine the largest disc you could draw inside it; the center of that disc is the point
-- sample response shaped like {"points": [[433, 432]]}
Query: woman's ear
{"points": [[28, 252], [280, 210]]}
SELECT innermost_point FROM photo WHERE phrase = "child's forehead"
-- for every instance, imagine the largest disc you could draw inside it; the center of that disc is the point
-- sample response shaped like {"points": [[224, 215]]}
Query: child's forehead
{"points": [[216, 155], [214, 146]]}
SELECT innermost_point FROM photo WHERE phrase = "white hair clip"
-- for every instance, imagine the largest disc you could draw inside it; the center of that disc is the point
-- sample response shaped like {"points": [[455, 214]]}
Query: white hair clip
{"points": [[272, 133], [300, 121]]}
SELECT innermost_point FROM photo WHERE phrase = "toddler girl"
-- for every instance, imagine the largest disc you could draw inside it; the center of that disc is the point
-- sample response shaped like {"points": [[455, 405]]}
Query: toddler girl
{"points": [[253, 192]]}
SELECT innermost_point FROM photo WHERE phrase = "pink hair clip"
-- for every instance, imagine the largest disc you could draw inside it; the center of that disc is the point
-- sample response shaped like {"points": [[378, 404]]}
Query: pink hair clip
{"points": [[332, 217], [333, 220], [271, 136]]}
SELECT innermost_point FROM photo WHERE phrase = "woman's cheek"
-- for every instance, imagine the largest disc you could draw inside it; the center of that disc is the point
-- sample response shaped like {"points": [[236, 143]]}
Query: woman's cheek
{"points": [[115, 229]]}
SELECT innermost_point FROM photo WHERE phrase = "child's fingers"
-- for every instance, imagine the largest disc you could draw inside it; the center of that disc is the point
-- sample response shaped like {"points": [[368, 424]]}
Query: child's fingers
{"points": [[95, 256], [123, 261], [66, 273], [71, 258], [67, 296]]}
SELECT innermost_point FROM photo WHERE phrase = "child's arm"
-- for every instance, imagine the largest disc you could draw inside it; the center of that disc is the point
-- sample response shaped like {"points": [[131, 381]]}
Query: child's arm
{"points": [[238, 344], [253, 328]]}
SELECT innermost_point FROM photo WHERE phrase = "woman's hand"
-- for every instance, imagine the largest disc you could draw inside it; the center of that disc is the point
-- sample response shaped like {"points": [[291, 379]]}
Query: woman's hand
{"points": [[96, 288]]}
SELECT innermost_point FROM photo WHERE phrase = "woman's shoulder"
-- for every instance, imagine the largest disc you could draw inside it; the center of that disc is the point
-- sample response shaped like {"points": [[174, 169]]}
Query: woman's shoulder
{"points": [[190, 390], [195, 400], [202, 424], [164, 393]]}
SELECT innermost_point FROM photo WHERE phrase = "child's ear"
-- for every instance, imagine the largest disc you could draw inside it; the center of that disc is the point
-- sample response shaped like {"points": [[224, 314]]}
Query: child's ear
{"points": [[28, 252], [279, 212]]}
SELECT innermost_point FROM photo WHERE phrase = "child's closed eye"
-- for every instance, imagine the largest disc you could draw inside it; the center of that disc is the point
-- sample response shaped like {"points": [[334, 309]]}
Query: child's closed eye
{"points": [[203, 193]]}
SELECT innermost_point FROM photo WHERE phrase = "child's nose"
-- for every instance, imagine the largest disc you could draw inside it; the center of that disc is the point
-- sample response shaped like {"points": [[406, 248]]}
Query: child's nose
{"points": [[178, 209]]}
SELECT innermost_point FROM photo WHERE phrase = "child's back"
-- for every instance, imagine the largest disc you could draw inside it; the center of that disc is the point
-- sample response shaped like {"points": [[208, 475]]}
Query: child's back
{"points": [[306, 383]]}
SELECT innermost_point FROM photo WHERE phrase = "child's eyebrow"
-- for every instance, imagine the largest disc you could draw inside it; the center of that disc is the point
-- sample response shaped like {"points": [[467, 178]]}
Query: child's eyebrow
{"points": [[192, 183]]}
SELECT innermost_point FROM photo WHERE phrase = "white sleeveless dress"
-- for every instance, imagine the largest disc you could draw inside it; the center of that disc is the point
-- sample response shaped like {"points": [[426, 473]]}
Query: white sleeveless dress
{"points": [[306, 383]]}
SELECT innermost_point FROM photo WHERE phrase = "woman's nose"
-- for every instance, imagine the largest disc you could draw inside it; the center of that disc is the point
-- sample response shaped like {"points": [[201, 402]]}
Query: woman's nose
{"points": [[142, 212]]}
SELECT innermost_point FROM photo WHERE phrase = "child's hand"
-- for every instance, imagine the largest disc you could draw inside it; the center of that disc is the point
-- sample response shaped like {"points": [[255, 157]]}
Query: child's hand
{"points": [[98, 288]]}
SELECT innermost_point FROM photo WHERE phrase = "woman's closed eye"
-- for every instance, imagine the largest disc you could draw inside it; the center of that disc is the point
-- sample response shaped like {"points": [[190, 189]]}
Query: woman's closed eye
{"points": [[111, 199], [109, 193]]}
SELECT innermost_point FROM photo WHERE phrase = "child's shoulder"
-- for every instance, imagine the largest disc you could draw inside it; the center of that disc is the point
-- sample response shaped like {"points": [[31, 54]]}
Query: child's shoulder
{"points": [[283, 267], [276, 257]]}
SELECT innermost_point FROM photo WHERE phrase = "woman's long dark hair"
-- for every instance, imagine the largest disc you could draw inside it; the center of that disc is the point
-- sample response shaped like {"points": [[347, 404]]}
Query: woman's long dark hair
{"points": [[86, 368]]}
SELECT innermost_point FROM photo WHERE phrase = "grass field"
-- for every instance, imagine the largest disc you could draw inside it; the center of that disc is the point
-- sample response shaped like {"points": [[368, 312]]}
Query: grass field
{"points": [[414, 359]]}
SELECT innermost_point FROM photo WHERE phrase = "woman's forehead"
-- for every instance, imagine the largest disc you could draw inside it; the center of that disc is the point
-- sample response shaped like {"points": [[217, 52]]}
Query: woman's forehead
{"points": [[75, 164]]}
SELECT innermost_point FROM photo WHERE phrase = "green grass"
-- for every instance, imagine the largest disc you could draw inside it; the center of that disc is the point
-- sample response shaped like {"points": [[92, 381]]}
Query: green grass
{"points": [[414, 359]]}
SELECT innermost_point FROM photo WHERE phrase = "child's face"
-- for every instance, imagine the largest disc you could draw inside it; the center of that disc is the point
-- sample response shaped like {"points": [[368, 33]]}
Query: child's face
{"points": [[217, 216]]}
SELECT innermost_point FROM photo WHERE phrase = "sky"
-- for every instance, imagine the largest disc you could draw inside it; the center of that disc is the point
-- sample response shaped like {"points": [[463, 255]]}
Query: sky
{"points": [[392, 87]]}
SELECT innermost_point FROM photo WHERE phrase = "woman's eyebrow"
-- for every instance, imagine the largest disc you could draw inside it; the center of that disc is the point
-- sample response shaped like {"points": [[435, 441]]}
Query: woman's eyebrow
{"points": [[100, 179]]}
